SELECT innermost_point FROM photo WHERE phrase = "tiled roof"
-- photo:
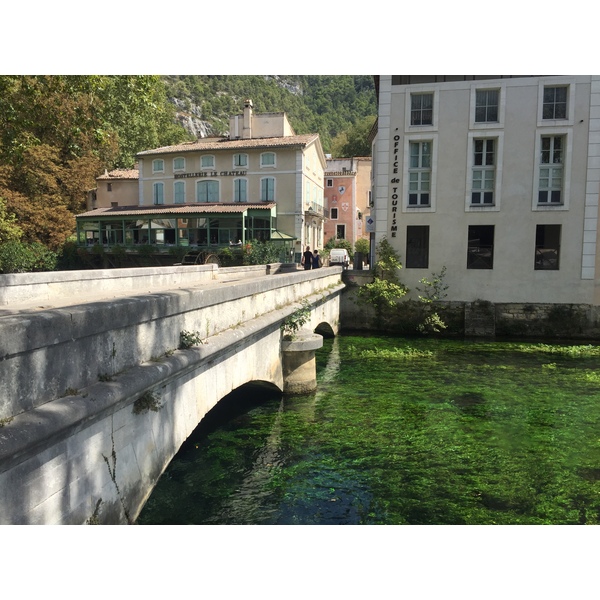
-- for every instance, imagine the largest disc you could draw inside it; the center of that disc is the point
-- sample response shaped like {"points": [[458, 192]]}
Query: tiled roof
{"points": [[239, 144], [121, 174], [175, 209]]}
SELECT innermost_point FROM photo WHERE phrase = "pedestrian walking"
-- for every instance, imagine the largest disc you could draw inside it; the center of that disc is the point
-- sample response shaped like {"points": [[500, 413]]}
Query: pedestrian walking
{"points": [[307, 259]]}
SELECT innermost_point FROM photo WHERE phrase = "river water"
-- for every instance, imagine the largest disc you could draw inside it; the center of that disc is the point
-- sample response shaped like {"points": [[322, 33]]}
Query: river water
{"points": [[401, 431]]}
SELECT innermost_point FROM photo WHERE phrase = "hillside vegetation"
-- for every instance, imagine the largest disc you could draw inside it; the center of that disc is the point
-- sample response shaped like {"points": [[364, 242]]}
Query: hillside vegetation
{"points": [[330, 105]]}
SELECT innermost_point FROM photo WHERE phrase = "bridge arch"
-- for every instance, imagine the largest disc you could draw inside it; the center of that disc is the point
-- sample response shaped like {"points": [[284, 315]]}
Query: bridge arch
{"points": [[133, 396]]}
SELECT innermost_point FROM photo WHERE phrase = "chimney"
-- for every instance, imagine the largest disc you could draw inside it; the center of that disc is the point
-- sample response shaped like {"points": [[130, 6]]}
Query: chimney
{"points": [[247, 129]]}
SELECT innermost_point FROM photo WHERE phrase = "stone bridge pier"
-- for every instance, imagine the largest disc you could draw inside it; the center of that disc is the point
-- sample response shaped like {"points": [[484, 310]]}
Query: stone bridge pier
{"points": [[98, 394]]}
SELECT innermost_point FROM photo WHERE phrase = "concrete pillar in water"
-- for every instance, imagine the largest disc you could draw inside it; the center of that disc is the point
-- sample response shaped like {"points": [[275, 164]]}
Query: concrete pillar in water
{"points": [[298, 361]]}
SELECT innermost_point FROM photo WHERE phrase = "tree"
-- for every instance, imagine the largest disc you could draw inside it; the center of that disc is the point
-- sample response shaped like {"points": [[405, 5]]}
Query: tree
{"points": [[9, 230], [58, 133], [386, 290], [35, 193], [136, 114], [354, 141]]}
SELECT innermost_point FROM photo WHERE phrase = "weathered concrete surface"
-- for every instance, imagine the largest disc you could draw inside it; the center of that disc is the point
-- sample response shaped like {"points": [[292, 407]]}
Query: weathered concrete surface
{"points": [[62, 454], [41, 288], [47, 354], [299, 364]]}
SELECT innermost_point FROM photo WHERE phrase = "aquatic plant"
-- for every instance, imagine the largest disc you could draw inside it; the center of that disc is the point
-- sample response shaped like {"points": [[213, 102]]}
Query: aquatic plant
{"points": [[392, 353], [581, 351]]}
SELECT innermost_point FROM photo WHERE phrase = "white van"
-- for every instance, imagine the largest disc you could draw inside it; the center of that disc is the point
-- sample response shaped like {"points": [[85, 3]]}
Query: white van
{"points": [[339, 256]]}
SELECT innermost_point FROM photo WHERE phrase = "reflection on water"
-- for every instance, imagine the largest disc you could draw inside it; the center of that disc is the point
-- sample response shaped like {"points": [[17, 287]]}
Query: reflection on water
{"points": [[401, 432]]}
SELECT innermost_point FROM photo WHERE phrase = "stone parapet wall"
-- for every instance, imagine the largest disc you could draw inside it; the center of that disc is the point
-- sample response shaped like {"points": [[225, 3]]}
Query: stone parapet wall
{"points": [[57, 285], [48, 354]]}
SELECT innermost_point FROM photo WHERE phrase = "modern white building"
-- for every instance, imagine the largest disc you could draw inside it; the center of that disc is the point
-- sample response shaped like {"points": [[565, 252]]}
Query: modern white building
{"points": [[496, 178]]}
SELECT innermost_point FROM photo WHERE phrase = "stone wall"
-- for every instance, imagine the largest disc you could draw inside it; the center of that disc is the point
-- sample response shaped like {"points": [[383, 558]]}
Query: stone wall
{"points": [[473, 319]]}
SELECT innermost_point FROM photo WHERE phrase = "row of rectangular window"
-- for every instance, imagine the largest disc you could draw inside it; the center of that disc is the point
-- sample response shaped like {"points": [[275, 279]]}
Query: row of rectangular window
{"points": [[483, 176], [480, 247], [209, 191], [207, 161], [487, 103], [182, 232]]}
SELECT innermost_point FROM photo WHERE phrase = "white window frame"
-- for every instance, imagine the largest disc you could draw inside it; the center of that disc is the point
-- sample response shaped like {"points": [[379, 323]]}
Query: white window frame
{"points": [[155, 165], [240, 166], [156, 198], [424, 89], [567, 150], [199, 182], [264, 179], [336, 213], [178, 169], [235, 185], [329, 182], [478, 87], [498, 137], [555, 104], [420, 93], [420, 170], [433, 139], [178, 184], [556, 82], [210, 167], [268, 166]]}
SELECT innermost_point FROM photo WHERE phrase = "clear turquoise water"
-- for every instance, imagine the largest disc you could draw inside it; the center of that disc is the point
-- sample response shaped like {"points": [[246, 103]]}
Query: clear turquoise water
{"points": [[401, 431]]}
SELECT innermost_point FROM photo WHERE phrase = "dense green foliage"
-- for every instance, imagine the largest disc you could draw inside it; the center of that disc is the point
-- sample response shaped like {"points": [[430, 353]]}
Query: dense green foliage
{"points": [[23, 257], [363, 246], [330, 105], [386, 290], [335, 243], [385, 293], [58, 133], [261, 253]]}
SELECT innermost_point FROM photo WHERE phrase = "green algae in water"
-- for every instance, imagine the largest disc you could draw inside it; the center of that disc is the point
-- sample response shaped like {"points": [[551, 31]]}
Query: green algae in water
{"points": [[403, 431]]}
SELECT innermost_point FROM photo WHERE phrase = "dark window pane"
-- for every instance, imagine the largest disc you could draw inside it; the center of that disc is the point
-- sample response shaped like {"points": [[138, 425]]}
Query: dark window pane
{"points": [[480, 250], [547, 247], [417, 247]]}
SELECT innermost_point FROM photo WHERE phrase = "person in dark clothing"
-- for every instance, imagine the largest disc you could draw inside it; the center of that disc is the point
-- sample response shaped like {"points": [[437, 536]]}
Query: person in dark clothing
{"points": [[307, 259], [316, 262]]}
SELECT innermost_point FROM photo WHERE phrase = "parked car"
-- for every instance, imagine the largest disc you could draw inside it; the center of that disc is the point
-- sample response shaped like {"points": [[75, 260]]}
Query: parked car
{"points": [[339, 256]]}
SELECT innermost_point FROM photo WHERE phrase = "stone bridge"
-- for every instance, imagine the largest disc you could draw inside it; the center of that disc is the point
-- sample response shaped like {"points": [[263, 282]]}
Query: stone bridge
{"points": [[97, 393]]}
